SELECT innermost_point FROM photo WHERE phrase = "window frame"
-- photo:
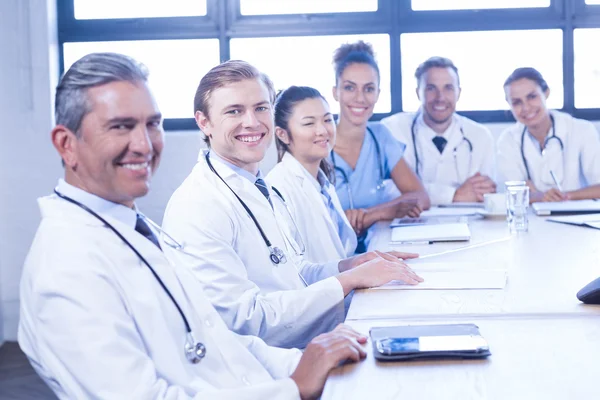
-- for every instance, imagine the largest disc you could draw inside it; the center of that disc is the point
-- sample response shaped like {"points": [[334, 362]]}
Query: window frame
{"points": [[224, 21]]}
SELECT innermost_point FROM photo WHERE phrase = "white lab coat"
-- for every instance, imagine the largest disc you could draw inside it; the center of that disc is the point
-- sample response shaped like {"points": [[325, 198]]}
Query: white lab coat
{"points": [[575, 167], [443, 173], [308, 209], [95, 323], [226, 253]]}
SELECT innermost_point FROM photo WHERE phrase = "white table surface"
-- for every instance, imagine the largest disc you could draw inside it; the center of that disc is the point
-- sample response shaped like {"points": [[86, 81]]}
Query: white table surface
{"points": [[540, 358], [546, 267]]}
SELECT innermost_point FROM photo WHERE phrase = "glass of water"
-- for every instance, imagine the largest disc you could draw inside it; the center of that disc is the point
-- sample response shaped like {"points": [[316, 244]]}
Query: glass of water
{"points": [[517, 205]]}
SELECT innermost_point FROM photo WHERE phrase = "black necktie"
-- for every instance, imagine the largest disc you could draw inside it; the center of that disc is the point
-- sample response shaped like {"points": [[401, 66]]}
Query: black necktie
{"points": [[262, 186], [440, 143], [143, 229]]}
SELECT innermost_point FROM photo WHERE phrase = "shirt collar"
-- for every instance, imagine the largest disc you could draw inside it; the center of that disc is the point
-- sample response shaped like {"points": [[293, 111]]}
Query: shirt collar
{"points": [[238, 170], [102, 206]]}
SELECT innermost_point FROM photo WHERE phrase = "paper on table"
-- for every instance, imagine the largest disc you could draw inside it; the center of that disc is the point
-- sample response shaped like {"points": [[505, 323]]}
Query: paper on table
{"points": [[452, 278], [450, 211]]}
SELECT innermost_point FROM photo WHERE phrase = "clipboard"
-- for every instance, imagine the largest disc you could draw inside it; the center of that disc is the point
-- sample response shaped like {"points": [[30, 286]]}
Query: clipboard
{"points": [[418, 342]]}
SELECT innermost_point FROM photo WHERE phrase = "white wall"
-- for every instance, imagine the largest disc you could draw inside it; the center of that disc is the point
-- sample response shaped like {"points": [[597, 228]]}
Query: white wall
{"points": [[29, 166]]}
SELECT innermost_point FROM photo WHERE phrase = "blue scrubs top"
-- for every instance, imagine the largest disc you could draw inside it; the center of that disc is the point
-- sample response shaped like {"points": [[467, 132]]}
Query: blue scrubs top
{"points": [[370, 170]]}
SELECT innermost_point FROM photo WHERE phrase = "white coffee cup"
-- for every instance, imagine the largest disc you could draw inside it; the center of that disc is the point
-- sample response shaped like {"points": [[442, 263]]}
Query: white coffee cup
{"points": [[495, 203]]}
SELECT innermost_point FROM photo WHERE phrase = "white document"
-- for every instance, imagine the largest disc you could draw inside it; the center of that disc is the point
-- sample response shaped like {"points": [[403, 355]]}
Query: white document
{"points": [[587, 220], [451, 211], [567, 207], [431, 233], [452, 279]]}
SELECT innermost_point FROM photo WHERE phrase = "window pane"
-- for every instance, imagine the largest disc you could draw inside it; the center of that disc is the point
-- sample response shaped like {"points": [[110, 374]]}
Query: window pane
{"points": [[420, 5], [176, 67], [592, 1], [306, 61], [587, 69], [484, 61], [270, 7], [90, 9]]}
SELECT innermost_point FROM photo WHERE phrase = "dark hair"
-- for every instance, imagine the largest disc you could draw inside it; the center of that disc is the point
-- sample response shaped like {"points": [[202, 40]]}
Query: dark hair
{"points": [[527, 73], [435, 62], [231, 71], [71, 103], [352, 53], [285, 103]]}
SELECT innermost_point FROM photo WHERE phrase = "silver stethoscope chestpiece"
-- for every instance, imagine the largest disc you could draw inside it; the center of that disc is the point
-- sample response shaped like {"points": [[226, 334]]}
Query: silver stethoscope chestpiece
{"points": [[194, 351]]}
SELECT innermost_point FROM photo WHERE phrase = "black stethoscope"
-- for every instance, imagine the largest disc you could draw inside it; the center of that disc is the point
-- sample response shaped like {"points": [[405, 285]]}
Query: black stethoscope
{"points": [[194, 350], [276, 255], [548, 138], [381, 183], [464, 139]]}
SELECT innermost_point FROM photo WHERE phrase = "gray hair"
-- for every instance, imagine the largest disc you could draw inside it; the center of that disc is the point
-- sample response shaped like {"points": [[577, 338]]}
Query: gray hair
{"points": [[71, 103]]}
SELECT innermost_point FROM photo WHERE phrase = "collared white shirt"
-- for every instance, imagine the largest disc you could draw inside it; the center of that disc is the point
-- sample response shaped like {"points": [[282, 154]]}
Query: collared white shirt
{"points": [[442, 173]]}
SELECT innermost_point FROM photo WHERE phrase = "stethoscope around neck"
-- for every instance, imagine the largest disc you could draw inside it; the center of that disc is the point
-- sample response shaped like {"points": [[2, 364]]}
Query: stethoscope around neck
{"points": [[546, 141], [276, 255], [380, 183], [464, 139], [194, 351]]}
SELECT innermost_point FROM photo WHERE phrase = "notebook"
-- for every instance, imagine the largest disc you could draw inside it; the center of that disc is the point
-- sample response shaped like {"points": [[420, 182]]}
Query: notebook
{"points": [[417, 342], [431, 233], [409, 221], [587, 220], [567, 207]]}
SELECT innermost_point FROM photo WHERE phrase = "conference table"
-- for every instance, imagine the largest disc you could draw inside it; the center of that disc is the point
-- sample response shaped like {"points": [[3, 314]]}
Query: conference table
{"points": [[544, 341]]}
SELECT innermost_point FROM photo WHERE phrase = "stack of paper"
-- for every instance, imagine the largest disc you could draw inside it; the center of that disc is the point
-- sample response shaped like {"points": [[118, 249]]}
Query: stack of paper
{"points": [[431, 233]]}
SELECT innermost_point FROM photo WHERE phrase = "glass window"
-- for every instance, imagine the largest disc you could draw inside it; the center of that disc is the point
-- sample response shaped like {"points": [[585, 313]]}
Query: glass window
{"points": [[592, 1], [307, 61], [270, 7], [484, 61], [89, 9], [176, 67], [421, 5], [587, 69]]}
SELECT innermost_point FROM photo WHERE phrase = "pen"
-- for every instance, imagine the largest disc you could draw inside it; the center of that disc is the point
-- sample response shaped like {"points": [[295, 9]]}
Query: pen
{"points": [[416, 242], [556, 181]]}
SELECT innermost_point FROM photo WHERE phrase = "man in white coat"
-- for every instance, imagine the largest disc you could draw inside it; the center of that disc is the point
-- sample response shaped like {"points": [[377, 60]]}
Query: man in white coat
{"points": [[103, 312], [239, 236], [451, 154]]}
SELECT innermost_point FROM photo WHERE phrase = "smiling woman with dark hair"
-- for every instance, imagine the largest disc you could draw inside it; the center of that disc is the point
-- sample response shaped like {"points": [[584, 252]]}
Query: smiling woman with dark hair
{"points": [[557, 155], [368, 160]]}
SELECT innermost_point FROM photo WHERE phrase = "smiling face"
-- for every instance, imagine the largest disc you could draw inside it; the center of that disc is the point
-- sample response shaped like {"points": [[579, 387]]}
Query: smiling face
{"points": [[357, 91], [312, 131], [239, 123], [527, 101], [119, 143], [438, 92]]}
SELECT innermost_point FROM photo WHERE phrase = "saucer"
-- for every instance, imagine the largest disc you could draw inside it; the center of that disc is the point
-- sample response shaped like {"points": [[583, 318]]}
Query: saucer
{"points": [[487, 214]]}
